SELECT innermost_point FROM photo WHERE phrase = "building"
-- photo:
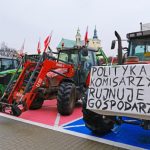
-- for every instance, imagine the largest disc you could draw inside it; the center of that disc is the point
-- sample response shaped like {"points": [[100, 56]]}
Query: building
{"points": [[92, 43]]}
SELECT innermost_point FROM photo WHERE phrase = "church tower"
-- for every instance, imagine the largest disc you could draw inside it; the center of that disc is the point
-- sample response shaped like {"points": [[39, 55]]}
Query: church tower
{"points": [[78, 38], [95, 42], [95, 34]]}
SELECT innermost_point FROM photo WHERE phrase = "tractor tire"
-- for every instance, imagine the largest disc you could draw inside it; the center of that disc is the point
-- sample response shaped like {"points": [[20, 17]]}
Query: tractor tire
{"points": [[66, 98], [97, 123], [37, 103]]}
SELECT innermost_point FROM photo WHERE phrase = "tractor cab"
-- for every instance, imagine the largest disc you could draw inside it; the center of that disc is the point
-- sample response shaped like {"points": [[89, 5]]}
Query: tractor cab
{"points": [[82, 60], [139, 47], [7, 63], [138, 50], [8, 67]]}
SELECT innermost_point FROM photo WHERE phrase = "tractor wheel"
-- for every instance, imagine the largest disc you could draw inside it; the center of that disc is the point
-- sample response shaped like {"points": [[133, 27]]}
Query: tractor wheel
{"points": [[37, 103], [66, 98], [97, 123]]}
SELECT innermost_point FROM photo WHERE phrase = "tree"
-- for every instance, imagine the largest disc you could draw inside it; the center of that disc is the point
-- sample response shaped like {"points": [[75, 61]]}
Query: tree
{"points": [[6, 51]]}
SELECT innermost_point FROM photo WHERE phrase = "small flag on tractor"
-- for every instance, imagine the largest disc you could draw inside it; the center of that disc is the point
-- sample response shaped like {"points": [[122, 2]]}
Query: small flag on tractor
{"points": [[47, 41], [86, 37], [22, 49], [39, 47]]}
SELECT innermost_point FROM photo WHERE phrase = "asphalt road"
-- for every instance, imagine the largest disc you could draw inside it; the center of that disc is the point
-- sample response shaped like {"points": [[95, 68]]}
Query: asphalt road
{"points": [[15, 135]]}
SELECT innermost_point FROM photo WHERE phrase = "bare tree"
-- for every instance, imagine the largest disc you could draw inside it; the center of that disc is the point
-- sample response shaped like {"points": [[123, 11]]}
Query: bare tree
{"points": [[6, 51]]}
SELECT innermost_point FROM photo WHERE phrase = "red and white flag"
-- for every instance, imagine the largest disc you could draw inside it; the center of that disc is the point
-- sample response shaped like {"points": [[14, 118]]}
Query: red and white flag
{"points": [[39, 47], [86, 37], [22, 49], [47, 41]]}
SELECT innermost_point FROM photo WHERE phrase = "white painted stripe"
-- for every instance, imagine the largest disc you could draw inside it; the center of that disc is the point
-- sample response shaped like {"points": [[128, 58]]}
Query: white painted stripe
{"points": [[131, 120], [57, 120], [75, 126], [71, 121], [60, 129]]}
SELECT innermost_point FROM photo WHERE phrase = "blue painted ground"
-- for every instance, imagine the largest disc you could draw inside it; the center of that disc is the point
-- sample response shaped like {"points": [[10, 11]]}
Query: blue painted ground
{"points": [[126, 134]]}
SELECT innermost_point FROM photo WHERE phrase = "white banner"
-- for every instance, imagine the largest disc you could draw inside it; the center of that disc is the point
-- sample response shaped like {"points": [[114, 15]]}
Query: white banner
{"points": [[123, 89]]}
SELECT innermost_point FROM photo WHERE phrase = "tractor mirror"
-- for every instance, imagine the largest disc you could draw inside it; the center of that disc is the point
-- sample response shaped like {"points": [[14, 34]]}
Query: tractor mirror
{"points": [[113, 44], [84, 52]]}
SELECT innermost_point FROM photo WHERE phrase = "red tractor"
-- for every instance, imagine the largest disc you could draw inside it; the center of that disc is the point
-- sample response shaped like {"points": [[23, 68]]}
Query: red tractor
{"points": [[101, 120], [65, 78]]}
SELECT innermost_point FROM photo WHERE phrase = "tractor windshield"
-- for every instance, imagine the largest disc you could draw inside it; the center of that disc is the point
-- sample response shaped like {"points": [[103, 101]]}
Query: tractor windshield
{"points": [[7, 64], [70, 56], [89, 60], [140, 48]]}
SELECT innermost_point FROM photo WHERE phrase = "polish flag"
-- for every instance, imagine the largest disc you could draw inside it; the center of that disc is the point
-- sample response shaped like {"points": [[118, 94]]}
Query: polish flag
{"points": [[22, 49], [86, 36], [39, 47]]}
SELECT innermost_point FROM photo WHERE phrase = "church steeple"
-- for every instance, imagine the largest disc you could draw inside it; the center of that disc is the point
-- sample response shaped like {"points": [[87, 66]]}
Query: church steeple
{"points": [[78, 37], [95, 34]]}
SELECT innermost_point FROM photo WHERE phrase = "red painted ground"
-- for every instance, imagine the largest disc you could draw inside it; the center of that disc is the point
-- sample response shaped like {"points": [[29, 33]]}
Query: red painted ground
{"points": [[48, 113]]}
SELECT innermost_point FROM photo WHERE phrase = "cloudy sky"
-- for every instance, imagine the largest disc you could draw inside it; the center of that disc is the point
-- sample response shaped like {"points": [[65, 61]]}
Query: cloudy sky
{"points": [[31, 19]]}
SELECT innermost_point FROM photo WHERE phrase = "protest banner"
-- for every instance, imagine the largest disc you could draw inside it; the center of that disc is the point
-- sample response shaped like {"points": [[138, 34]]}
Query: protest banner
{"points": [[121, 90]]}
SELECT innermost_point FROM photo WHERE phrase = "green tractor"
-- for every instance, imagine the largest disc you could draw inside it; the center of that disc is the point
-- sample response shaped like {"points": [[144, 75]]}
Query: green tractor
{"points": [[8, 67]]}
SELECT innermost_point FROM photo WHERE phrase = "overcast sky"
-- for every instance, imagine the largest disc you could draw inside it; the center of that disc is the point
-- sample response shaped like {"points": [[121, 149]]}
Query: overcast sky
{"points": [[31, 19]]}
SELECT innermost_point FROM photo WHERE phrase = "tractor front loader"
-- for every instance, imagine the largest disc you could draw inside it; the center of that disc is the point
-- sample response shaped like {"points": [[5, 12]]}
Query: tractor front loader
{"points": [[64, 78], [27, 92]]}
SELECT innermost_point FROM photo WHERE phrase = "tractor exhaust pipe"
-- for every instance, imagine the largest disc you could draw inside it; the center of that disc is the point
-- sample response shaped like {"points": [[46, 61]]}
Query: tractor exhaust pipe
{"points": [[119, 48]]}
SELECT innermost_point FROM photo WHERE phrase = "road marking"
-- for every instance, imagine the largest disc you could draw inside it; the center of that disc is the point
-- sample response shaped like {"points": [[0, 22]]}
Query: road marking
{"points": [[75, 126], [60, 129], [57, 120], [69, 122]]}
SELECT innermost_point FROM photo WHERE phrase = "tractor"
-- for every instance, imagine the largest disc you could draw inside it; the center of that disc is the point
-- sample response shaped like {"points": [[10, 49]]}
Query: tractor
{"points": [[8, 67], [64, 78], [121, 103]]}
